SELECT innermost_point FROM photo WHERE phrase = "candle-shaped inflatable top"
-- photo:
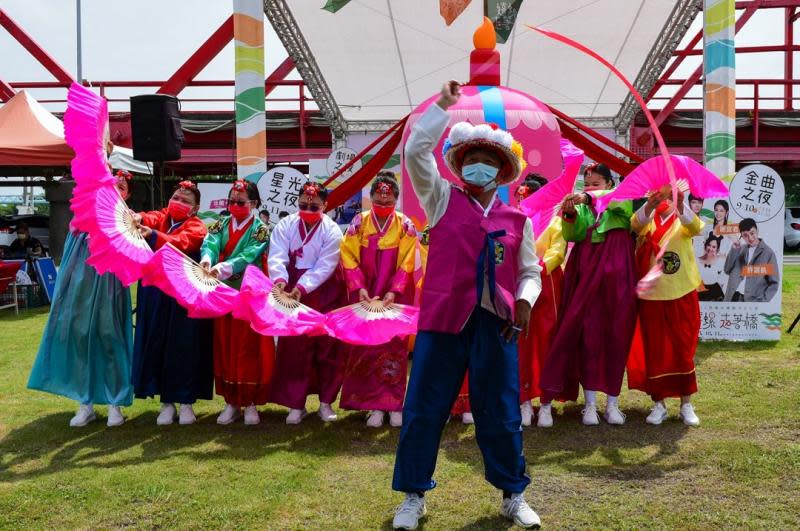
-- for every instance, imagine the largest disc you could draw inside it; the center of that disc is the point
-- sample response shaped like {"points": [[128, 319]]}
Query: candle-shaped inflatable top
{"points": [[484, 61]]}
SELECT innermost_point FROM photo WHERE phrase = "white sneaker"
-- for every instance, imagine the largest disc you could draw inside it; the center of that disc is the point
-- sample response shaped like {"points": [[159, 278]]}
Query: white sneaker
{"points": [[375, 419], [517, 509], [186, 415], [467, 418], [167, 415], [614, 416], [251, 416], [408, 513], [526, 410], [115, 417], [395, 419], [590, 416], [658, 414], [228, 415], [326, 412], [688, 415], [296, 416], [545, 419], [84, 416]]}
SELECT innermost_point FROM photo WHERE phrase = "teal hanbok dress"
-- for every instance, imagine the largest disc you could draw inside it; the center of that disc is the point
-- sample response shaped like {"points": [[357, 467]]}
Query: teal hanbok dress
{"points": [[87, 346]]}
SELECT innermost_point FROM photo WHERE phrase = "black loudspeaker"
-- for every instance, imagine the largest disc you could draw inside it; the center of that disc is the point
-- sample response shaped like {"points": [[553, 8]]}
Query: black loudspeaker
{"points": [[156, 127]]}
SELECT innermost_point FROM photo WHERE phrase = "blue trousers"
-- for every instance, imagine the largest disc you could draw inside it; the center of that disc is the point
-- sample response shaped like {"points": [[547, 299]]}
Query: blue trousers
{"points": [[438, 368]]}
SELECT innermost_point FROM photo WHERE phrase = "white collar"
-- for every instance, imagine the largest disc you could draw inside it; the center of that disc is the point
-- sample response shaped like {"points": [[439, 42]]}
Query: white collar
{"points": [[488, 208], [245, 221]]}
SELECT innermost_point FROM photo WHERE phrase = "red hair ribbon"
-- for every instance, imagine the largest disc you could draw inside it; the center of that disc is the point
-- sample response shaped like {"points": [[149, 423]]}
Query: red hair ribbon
{"points": [[523, 190], [187, 185], [311, 189], [123, 174], [240, 186]]}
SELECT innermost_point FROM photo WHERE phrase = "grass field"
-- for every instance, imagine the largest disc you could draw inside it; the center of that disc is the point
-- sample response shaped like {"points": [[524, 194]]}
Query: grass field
{"points": [[741, 468]]}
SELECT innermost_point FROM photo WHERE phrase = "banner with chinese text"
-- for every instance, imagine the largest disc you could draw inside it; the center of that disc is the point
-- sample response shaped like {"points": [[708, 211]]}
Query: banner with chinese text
{"points": [[740, 257]]}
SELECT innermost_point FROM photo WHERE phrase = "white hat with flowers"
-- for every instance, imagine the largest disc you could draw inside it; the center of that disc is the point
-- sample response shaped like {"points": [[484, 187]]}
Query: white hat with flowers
{"points": [[464, 136]]}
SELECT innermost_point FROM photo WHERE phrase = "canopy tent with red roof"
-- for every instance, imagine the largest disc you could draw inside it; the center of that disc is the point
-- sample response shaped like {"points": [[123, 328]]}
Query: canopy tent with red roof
{"points": [[30, 135]]}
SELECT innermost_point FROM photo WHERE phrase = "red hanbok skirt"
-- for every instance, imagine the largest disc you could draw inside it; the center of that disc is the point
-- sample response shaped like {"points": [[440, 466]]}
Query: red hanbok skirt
{"points": [[661, 362], [533, 348], [243, 362]]}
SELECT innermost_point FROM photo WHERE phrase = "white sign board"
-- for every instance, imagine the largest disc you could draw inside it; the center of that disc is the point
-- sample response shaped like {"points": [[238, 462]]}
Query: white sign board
{"points": [[740, 257], [279, 189]]}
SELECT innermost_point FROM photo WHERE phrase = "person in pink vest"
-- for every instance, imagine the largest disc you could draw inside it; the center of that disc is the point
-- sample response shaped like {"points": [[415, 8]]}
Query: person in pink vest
{"points": [[481, 281]]}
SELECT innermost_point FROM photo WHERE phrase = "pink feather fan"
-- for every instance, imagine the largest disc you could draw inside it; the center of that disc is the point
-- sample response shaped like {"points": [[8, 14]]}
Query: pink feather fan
{"points": [[183, 279], [272, 312], [372, 322], [115, 244], [543, 204], [86, 131], [652, 175]]}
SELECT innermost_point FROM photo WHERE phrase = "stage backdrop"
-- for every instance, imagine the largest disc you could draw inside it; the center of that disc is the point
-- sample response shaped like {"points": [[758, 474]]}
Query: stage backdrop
{"points": [[741, 294]]}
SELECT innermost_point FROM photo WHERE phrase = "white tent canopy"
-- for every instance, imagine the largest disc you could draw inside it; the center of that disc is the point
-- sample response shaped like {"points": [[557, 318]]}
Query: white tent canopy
{"points": [[122, 159], [382, 58]]}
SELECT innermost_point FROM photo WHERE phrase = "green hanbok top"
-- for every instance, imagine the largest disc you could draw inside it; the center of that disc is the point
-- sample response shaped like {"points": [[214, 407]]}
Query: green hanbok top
{"points": [[616, 216], [235, 249]]}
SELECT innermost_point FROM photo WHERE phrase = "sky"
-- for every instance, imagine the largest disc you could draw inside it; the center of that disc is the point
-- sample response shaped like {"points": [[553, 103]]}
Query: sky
{"points": [[150, 39]]}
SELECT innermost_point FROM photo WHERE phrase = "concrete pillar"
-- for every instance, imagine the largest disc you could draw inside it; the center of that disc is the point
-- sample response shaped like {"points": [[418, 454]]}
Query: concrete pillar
{"points": [[58, 193]]}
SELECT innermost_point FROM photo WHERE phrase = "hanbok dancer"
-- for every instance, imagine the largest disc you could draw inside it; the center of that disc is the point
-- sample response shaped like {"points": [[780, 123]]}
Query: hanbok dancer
{"points": [[378, 255], [87, 347], [551, 248], [243, 359], [598, 307], [172, 356], [303, 259], [669, 312], [461, 407], [481, 280]]}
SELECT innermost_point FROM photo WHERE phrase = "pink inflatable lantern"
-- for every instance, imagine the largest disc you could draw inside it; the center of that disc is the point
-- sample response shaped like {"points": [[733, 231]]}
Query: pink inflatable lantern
{"points": [[483, 100]]}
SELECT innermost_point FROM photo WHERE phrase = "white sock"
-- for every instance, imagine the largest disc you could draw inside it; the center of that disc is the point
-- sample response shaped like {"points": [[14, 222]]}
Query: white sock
{"points": [[545, 407], [613, 401], [590, 396]]}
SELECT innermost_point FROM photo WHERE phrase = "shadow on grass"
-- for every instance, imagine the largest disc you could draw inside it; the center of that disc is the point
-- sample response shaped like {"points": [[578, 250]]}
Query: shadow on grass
{"points": [[634, 451], [48, 446], [482, 524]]}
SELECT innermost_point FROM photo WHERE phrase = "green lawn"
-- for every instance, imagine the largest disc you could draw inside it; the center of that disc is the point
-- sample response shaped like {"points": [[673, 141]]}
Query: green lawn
{"points": [[741, 468]]}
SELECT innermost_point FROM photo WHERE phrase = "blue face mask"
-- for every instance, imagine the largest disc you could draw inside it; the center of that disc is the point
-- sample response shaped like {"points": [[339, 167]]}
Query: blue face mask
{"points": [[480, 175]]}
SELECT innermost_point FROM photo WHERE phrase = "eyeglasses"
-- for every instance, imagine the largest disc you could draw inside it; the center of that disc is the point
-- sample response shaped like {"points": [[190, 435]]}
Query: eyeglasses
{"points": [[310, 208], [238, 203]]}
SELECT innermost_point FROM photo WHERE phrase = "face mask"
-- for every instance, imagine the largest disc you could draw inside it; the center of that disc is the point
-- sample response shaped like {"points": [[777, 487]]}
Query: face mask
{"points": [[310, 217], [239, 212], [179, 211], [480, 176], [383, 211], [662, 208]]}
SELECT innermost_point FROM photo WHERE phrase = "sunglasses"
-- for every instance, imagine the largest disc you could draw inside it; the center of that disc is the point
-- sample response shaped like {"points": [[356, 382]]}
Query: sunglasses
{"points": [[310, 208], [238, 203]]}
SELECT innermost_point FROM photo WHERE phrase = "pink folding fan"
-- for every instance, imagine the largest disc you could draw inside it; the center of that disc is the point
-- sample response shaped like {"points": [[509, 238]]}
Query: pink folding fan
{"points": [[86, 131], [372, 322], [115, 244], [197, 290], [272, 312], [652, 175], [543, 204]]}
